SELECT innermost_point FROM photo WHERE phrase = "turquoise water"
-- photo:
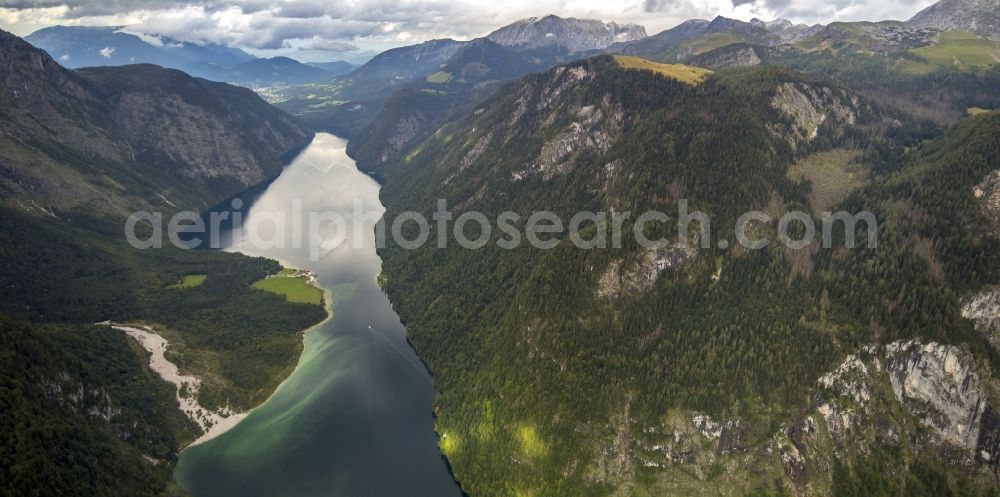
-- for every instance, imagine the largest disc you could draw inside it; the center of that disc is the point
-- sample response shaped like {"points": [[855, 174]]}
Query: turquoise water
{"points": [[354, 419]]}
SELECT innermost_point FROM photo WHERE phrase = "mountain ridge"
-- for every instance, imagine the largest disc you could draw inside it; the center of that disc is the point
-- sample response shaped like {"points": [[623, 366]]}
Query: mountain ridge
{"points": [[113, 122], [350, 103], [77, 47], [599, 394], [279, 70], [83, 46], [575, 34], [676, 44], [980, 17]]}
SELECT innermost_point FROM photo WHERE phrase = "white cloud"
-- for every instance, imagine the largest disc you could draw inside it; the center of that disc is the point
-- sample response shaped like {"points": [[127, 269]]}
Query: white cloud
{"points": [[107, 52], [154, 40], [824, 11]]}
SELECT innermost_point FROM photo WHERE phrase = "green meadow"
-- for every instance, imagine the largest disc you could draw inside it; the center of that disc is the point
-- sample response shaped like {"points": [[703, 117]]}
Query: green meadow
{"points": [[685, 74], [295, 288], [956, 49], [190, 281]]}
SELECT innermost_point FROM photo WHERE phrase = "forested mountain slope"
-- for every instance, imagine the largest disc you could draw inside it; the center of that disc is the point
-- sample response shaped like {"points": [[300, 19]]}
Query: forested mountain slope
{"points": [[719, 371], [113, 139], [82, 413], [279, 71]]}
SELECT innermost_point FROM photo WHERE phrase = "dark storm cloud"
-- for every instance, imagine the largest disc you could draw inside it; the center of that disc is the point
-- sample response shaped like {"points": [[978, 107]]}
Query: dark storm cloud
{"points": [[301, 10], [657, 5], [89, 8]]}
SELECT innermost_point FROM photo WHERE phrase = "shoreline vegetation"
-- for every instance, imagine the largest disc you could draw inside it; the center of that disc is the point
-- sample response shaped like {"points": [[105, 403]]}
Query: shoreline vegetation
{"points": [[216, 421]]}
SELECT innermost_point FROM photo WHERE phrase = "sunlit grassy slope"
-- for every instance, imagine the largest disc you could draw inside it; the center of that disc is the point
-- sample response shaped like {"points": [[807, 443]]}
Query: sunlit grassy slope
{"points": [[190, 281], [958, 49], [707, 43], [832, 175], [685, 74], [439, 77]]}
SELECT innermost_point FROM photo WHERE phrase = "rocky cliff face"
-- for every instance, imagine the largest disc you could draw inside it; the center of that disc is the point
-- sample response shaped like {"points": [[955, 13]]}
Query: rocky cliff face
{"points": [[736, 55], [696, 37], [810, 106], [927, 398], [984, 310], [785, 30], [939, 386], [981, 17], [118, 138], [575, 34], [988, 193]]}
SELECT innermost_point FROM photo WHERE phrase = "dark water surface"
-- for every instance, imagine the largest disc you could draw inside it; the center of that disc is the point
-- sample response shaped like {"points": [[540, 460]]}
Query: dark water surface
{"points": [[354, 419]]}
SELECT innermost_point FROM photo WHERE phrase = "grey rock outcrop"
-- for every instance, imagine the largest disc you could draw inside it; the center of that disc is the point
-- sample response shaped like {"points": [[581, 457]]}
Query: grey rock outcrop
{"points": [[938, 385], [984, 311], [785, 30], [810, 106], [988, 192], [981, 17], [574, 34], [731, 56]]}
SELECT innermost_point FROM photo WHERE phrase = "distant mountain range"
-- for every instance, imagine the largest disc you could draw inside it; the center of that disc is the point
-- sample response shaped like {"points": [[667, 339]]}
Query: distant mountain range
{"points": [[352, 101], [540, 39], [454, 69], [339, 97], [693, 38], [79, 46]]}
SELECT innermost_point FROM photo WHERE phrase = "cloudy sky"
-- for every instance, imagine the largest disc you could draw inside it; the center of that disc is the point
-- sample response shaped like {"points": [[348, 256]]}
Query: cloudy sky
{"points": [[324, 29]]}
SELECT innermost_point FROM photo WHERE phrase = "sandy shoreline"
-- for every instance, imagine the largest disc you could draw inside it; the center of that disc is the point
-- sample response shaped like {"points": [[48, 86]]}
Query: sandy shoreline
{"points": [[213, 423]]}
